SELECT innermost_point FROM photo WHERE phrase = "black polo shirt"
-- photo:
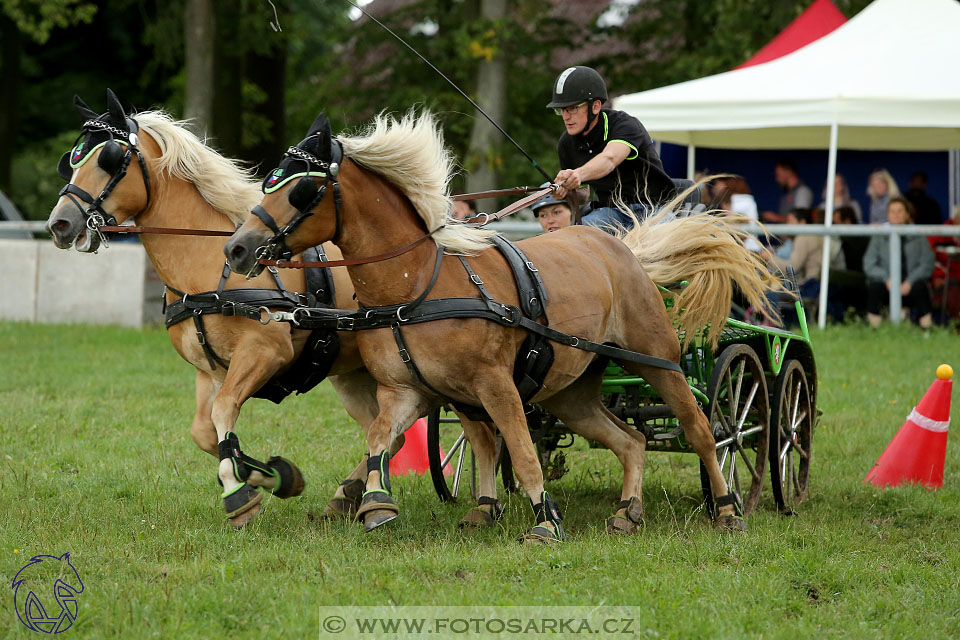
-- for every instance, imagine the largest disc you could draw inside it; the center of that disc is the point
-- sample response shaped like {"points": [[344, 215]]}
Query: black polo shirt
{"points": [[640, 176]]}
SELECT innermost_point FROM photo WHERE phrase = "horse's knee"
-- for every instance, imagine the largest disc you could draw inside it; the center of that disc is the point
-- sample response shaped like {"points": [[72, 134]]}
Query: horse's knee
{"points": [[205, 436]]}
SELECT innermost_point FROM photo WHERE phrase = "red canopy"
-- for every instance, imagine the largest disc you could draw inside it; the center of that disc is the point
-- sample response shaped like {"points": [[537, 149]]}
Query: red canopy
{"points": [[818, 20]]}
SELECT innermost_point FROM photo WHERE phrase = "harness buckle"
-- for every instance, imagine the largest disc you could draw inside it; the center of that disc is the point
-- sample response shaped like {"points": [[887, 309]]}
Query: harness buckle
{"points": [[404, 356], [475, 279], [345, 324], [201, 338], [399, 317], [531, 266]]}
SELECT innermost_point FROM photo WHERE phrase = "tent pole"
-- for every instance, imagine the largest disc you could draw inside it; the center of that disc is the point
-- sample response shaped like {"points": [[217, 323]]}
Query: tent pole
{"points": [[691, 160], [828, 221], [953, 198]]}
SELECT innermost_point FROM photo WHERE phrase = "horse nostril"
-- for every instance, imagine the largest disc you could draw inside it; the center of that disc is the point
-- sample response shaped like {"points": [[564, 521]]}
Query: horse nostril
{"points": [[238, 252], [60, 226]]}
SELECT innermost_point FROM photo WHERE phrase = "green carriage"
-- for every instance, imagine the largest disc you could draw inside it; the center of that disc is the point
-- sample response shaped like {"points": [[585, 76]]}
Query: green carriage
{"points": [[758, 388]]}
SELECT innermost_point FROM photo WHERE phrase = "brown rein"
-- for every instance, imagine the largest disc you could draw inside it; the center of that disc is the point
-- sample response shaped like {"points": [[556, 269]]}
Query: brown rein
{"points": [[483, 219], [165, 230]]}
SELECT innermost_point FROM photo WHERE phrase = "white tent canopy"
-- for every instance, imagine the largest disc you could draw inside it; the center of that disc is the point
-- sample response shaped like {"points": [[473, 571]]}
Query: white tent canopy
{"points": [[888, 79]]}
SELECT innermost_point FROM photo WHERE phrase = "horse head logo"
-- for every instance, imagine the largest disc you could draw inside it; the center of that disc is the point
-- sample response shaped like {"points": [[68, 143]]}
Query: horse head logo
{"points": [[37, 579]]}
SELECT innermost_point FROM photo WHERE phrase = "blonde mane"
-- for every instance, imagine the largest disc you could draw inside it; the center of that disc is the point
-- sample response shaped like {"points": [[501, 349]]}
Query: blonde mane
{"points": [[227, 185], [410, 154]]}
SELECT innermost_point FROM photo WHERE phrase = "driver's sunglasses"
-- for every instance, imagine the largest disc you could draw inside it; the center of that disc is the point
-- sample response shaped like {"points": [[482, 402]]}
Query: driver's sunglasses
{"points": [[571, 109]]}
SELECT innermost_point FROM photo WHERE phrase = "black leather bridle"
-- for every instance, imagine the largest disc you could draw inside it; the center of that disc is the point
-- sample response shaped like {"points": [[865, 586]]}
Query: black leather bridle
{"points": [[305, 196], [114, 160]]}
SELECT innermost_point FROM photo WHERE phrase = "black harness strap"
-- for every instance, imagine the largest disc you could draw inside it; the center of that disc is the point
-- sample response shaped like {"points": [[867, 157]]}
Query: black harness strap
{"points": [[405, 356], [446, 308], [533, 294]]}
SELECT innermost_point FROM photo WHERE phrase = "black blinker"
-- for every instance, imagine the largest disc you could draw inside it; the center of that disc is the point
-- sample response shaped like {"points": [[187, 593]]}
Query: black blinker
{"points": [[64, 168], [303, 193], [111, 155]]}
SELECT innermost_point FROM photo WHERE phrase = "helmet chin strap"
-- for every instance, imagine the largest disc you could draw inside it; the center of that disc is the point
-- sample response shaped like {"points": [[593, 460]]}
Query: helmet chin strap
{"points": [[591, 116]]}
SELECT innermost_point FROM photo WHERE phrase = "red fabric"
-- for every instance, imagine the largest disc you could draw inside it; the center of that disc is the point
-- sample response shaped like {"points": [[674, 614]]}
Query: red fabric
{"points": [[818, 20]]}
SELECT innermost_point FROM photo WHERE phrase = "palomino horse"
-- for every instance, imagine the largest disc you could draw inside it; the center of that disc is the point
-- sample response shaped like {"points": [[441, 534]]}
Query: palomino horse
{"points": [[189, 185], [389, 189]]}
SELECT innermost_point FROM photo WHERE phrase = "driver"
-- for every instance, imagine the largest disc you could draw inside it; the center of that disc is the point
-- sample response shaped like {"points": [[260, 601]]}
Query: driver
{"points": [[606, 149]]}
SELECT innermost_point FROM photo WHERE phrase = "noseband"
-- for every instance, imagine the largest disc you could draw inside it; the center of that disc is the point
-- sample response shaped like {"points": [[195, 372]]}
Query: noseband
{"points": [[112, 159], [305, 196]]}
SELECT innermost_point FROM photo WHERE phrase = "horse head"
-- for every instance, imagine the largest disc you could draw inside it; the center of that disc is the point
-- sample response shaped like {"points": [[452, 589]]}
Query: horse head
{"points": [[96, 193], [34, 584], [295, 203]]}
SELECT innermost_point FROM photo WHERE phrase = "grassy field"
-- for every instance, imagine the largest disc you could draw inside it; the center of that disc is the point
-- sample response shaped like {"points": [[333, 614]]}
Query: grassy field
{"points": [[96, 459]]}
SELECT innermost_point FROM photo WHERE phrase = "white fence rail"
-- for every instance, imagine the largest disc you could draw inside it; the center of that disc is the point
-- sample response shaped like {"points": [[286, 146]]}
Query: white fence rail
{"points": [[895, 234]]}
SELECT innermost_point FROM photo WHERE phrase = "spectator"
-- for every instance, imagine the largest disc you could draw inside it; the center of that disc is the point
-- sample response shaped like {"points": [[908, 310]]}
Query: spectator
{"points": [[806, 257], [853, 247], [928, 209], [916, 265], [841, 198], [464, 209], [881, 187], [796, 195], [552, 214], [734, 195], [848, 287]]}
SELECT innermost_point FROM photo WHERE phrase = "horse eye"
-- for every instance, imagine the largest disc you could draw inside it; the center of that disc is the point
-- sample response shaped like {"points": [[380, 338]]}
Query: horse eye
{"points": [[303, 193], [111, 155]]}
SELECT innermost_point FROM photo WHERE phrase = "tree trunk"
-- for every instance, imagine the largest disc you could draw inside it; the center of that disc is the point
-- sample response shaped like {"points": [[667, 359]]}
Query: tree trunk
{"points": [[482, 155], [199, 35], [226, 127], [9, 97]]}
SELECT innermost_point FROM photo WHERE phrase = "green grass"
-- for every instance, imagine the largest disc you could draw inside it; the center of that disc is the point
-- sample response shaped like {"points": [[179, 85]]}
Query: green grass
{"points": [[96, 459]]}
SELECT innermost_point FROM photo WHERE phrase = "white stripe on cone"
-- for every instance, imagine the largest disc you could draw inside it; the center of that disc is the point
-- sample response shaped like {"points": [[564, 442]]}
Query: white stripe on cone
{"points": [[930, 425]]}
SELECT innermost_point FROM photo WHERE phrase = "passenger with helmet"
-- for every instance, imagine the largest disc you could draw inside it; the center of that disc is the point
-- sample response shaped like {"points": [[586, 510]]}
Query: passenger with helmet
{"points": [[552, 214], [607, 149]]}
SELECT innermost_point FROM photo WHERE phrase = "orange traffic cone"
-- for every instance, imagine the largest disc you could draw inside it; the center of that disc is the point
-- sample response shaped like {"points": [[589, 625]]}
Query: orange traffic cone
{"points": [[917, 452], [413, 454]]}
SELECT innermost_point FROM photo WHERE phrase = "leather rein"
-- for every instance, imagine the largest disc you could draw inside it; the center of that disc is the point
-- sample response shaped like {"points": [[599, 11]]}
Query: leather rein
{"points": [[276, 246]]}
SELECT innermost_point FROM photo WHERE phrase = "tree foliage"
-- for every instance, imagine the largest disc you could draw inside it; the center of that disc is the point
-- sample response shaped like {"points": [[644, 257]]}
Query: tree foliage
{"points": [[325, 58]]}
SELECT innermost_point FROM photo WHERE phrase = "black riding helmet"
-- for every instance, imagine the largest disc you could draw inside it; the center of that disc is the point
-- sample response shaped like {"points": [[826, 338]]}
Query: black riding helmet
{"points": [[576, 85]]}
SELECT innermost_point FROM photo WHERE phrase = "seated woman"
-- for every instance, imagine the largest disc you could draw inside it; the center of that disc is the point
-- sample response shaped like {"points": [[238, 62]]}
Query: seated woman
{"points": [[552, 214], [916, 265], [806, 257]]}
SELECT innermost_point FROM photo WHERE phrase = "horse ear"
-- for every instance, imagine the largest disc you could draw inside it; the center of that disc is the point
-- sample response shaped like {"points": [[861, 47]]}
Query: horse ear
{"points": [[115, 109], [320, 125], [86, 113]]}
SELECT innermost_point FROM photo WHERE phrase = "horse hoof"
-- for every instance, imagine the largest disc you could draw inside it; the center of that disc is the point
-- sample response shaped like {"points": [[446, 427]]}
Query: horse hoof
{"points": [[339, 509], [621, 526], [291, 480], [377, 518], [542, 535], [242, 505], [240, 521], [731, 523], [476, 519], [377, 508]]}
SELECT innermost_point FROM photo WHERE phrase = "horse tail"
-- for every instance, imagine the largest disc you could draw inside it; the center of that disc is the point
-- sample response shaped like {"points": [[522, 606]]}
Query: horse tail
{"points": [[708, 252]]}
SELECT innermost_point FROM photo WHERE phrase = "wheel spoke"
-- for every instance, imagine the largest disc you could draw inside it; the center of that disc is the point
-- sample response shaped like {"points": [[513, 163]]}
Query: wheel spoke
{"points": [[453, 450], [747, 406], [456, 474], [746, 461]]}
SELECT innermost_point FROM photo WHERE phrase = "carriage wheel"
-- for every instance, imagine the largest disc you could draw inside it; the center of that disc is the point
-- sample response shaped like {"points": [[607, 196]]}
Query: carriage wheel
{"points": [[458, 458], [739, 414], [791, 436]]}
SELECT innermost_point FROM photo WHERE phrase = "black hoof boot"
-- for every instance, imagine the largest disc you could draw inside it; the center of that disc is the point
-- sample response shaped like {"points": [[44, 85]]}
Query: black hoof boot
{"points": [[290, 482]]}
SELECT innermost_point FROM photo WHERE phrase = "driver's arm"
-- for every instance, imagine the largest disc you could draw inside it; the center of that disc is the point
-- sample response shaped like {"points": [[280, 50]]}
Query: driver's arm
{"points": [[608, 159]]}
